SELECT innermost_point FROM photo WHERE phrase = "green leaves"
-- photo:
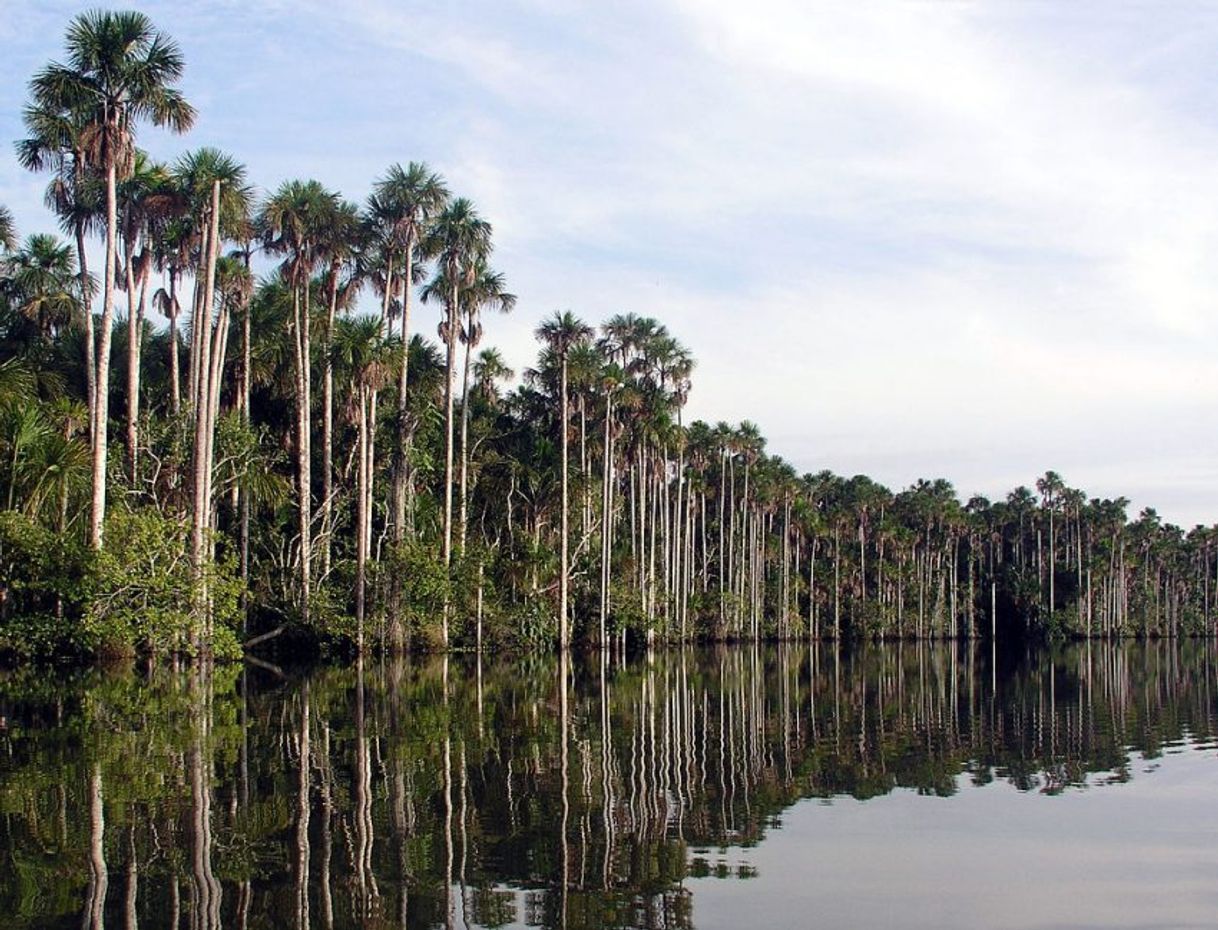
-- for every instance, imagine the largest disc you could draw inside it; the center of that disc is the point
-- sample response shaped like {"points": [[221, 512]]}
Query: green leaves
{"points": [[141, 593]]}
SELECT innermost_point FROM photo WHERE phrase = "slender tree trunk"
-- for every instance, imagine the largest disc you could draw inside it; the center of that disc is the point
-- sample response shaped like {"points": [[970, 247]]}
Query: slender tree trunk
{"points": [[454, 310], [464, 516], [361, 520], [564, 636], [303, 478], [607, 521], [101, 414], [175, 370], [246, 419], [370, 489], [82, 260], [204, 418], [133, 363], [401, 471], [327, 430]]}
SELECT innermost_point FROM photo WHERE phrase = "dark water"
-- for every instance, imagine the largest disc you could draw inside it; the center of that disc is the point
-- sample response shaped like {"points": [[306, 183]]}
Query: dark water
{"points": [[896, 786]]}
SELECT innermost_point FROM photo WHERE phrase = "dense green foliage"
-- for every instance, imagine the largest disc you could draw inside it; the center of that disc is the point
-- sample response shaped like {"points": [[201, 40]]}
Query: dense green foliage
{"points": [[290, 462]]}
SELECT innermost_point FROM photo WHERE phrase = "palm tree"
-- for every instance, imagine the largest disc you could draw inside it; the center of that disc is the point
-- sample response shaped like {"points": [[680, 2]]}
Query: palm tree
{"points": [[401, 206], [489, 370], [361, 350], [293, 223], [212, 187], [611, 380], [561, 333], [457, 239], [119, 72], [171, 254], [485, 290], [147, 199], [64, 466], [42, 284], [1051, 488], [200, 178], [60, 139], [340, 248], [8, 230]]}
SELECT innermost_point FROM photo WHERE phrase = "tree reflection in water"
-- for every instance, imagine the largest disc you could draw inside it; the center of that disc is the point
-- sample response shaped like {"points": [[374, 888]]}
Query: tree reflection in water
{"points": [[579, 792]]}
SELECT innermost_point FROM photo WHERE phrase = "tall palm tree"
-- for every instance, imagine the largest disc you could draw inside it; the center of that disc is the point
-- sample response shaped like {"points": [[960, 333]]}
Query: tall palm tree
{"points": [[457, 239], [362, 352], [60, 139], [216, 198], [200, 178], [485, 290], [147, 198], [403, 202], [340, 249], [560, 334], [611, 380], [171, 256], [120, 71], [293, 223]]}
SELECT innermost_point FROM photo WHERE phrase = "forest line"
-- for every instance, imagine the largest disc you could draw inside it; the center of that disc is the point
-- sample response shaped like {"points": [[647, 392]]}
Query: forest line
{"points": [[277, 464]]}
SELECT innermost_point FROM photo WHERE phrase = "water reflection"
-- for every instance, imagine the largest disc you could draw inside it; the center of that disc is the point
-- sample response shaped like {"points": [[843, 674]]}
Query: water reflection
{"points": [[582, 793]]}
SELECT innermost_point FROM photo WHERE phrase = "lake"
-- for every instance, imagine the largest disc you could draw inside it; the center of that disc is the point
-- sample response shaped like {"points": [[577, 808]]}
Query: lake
{"points": [[905, 785]]}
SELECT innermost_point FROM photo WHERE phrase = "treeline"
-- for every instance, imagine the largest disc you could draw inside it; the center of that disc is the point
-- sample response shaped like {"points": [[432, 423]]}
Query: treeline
{"points": [[294, 459]]}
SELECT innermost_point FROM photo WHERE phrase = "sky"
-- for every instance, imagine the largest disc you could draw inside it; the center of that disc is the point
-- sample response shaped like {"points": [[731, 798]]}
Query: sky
{"points": [[908, 240]]}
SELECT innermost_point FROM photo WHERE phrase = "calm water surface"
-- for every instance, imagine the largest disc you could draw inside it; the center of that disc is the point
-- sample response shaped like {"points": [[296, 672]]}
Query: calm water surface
{"points": [[896, 786]]}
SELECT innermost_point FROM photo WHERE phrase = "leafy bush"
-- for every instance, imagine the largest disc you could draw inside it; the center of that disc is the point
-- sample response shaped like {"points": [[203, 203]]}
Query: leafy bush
{"points": [[536, 624], [42, 581], [142, 594], [422, 585]]}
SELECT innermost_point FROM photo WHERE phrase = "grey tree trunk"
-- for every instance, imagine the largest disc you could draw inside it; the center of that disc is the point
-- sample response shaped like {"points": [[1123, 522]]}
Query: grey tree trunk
{"points": [[401, 473], [564, 636], [361, 520], [101, 412], [327, 430], [463, 519]]}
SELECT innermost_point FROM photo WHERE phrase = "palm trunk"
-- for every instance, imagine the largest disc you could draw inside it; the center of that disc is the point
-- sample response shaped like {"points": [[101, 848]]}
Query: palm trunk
{"points": [[606, 530], [370, 472], [133, 363], [327, 430], [464, 516], [361, 520], [202, 403], [300, 349], [401, 472], [454, 308], [101, 412], [245, 411], [90, 337], [564, 638], [175, 369]]}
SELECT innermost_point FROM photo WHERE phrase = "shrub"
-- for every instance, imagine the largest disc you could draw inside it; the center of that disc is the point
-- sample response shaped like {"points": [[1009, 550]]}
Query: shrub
{"points": [[42, 580], [423, 586], [142, 594]]}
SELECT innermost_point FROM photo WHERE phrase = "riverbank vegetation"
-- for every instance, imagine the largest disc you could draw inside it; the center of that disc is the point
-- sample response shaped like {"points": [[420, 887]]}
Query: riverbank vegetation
{"points": [[235, 429]]}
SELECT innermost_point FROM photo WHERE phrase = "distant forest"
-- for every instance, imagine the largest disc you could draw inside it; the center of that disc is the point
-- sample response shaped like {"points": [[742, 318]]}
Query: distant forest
{"points": [[196, 460]]}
